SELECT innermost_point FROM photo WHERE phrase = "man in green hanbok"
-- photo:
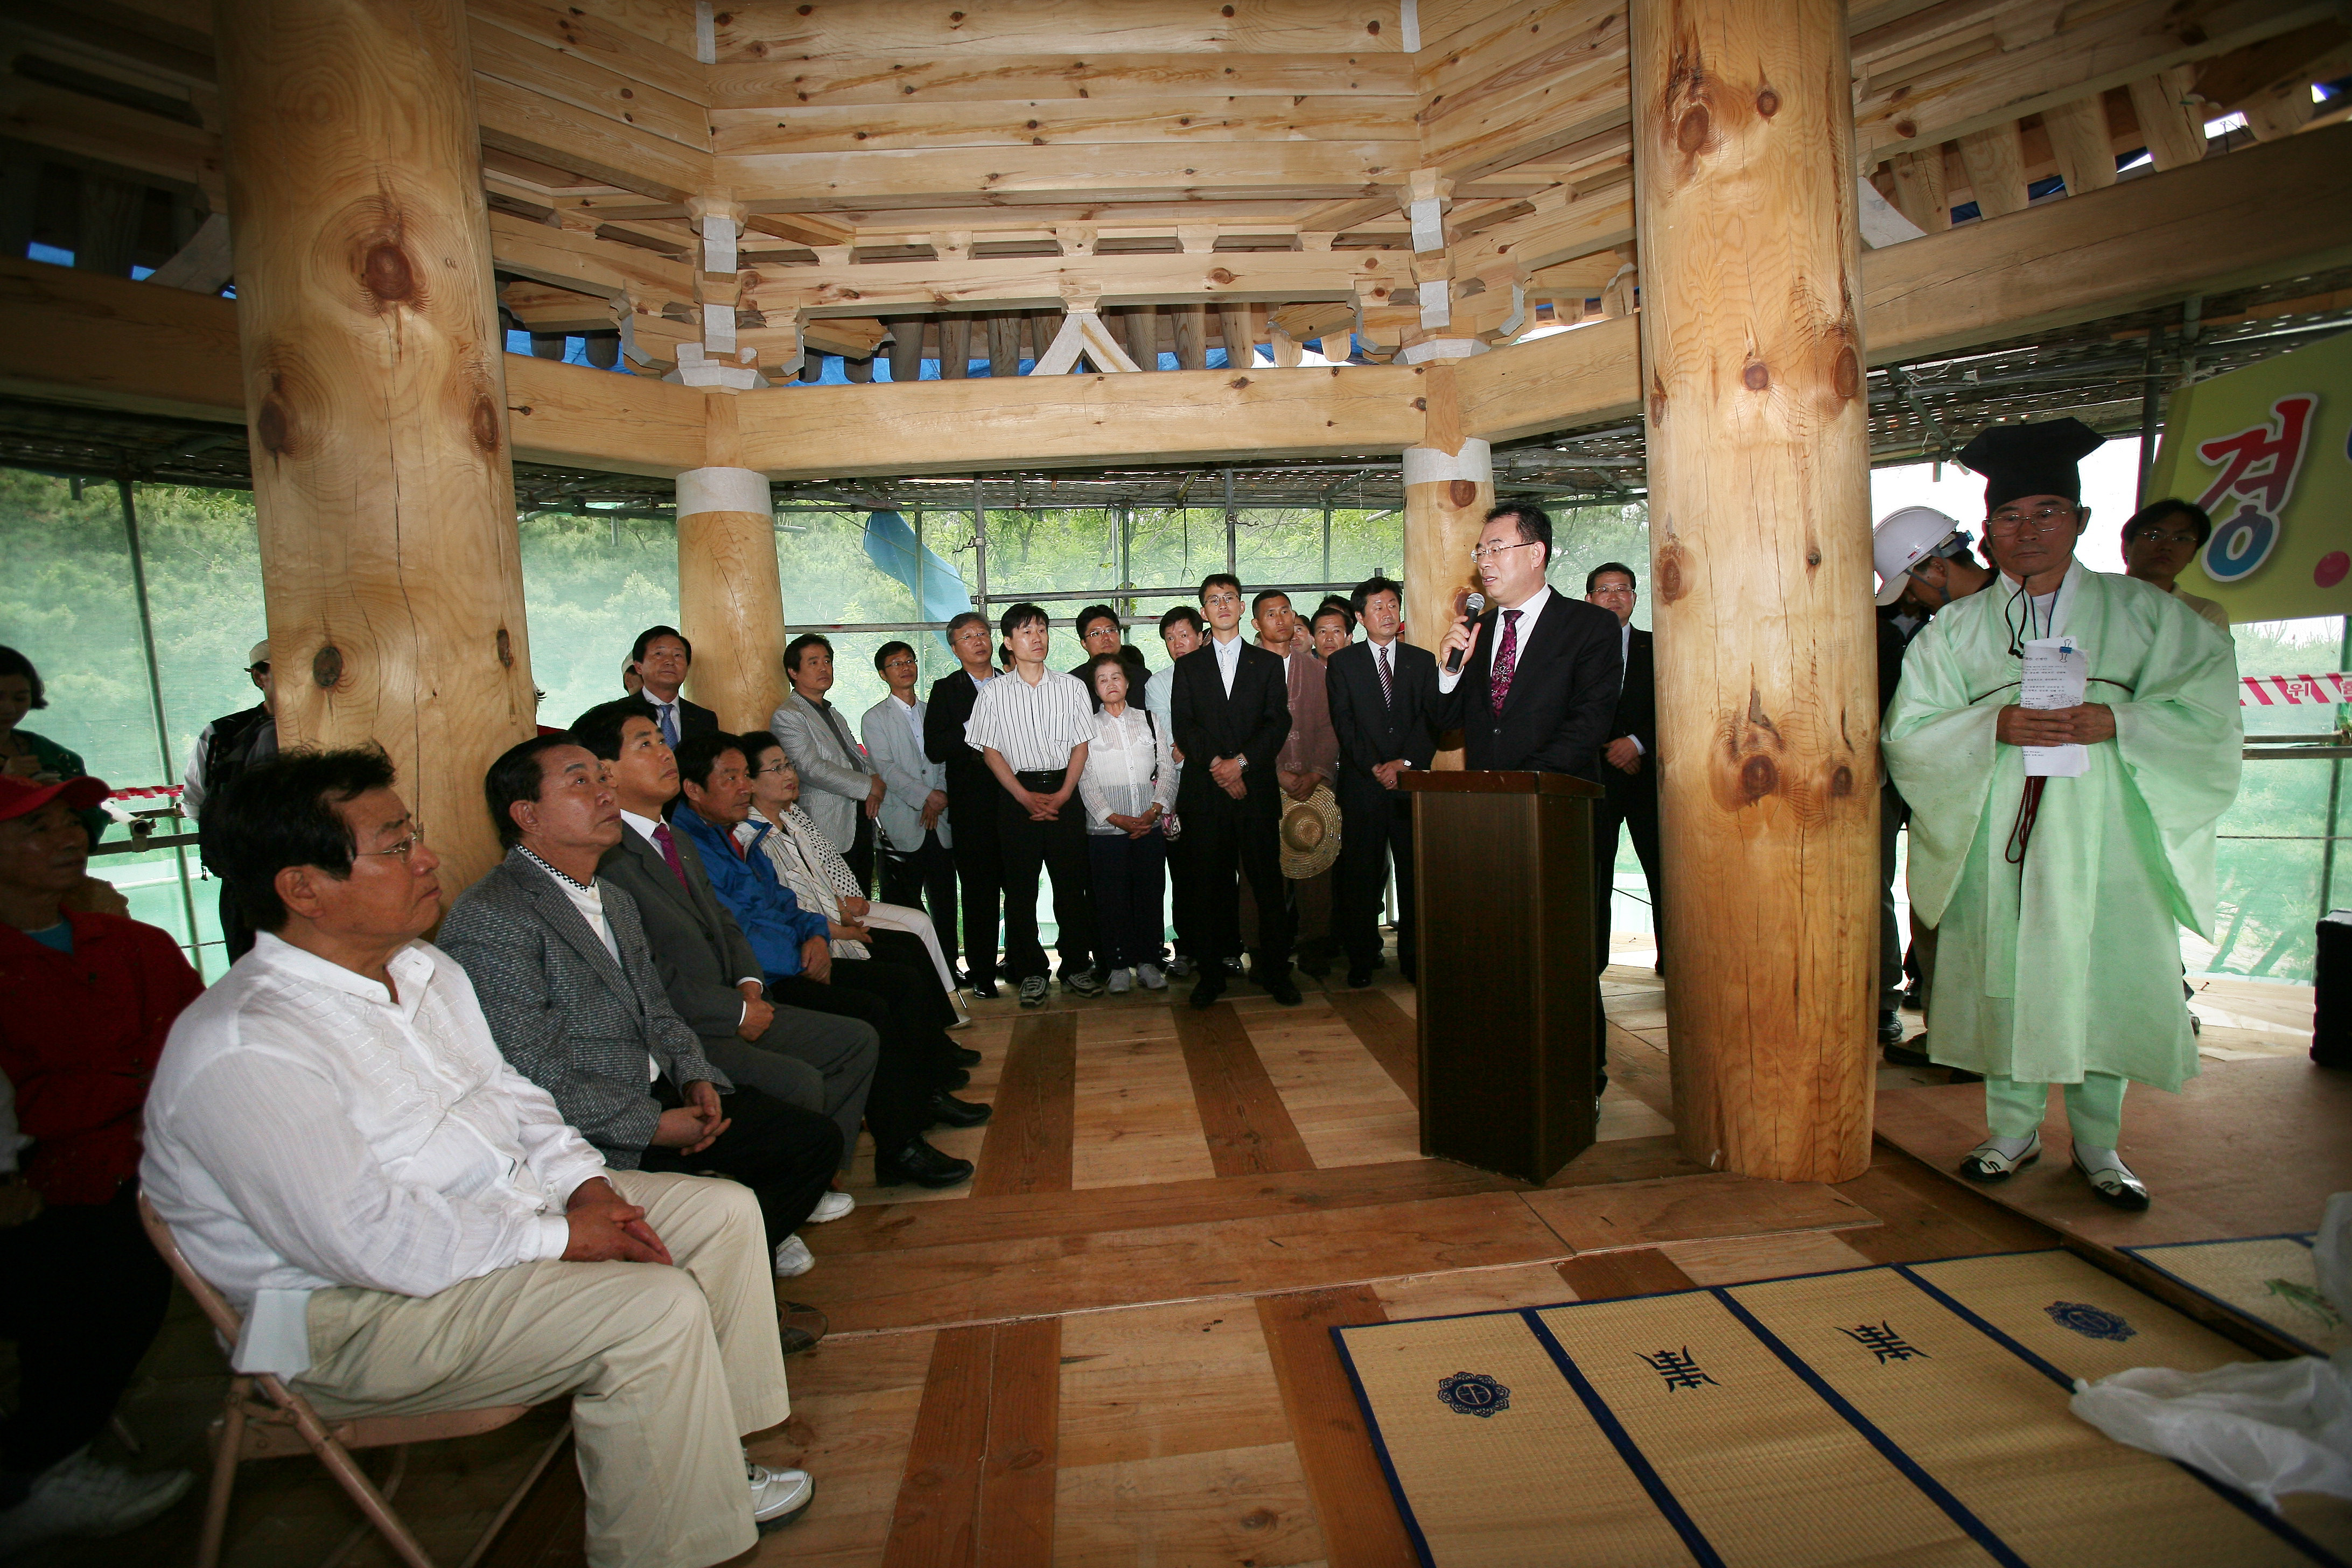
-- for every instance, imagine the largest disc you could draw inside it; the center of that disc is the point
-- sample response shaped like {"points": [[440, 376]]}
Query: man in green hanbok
{"points": [[2057, 899]]}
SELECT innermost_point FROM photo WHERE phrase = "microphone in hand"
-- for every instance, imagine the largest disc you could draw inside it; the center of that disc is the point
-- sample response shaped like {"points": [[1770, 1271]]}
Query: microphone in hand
{"points": [[1472, 606]]}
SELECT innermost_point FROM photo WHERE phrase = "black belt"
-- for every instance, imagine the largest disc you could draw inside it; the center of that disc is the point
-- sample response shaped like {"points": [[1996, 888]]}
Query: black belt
{"points": [[1035, 781]]}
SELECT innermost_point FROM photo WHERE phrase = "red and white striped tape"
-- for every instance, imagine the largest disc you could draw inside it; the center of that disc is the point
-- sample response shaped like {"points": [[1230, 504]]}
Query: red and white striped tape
{"points": [[146, 790], [2272, 691]]}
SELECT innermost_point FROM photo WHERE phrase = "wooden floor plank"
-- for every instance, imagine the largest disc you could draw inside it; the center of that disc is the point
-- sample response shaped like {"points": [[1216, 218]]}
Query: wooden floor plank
{"points": [[1028, 1144], [1641, 1159], [1346, 1108], [935, 1523], [856, 1403], [1691, 1208], [549, 1528], [1017, 1474], [1138, 1124], [1612, 1276], [1361, 1528], [1152, 1382], [1392, 1038], [1912, 1228], [1250, 1132]]}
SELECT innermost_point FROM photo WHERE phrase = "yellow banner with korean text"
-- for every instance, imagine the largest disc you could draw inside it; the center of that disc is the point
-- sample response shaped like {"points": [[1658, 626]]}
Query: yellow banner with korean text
{"points": [[2268, 451]]}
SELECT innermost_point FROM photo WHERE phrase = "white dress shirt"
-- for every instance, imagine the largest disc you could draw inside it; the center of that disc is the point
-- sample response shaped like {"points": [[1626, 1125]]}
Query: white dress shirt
{"points": [[1128, 762], [1529, 608], [307, 1129], [667, 718], [1229, 657], [1033, 728]]}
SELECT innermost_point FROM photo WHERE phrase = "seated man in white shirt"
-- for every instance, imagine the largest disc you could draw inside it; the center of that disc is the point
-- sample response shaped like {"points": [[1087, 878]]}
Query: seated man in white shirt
{"points": [[406, 1224]]}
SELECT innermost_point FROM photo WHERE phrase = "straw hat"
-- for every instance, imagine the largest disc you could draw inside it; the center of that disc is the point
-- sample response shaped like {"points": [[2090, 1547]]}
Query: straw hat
{"points": [[1310, 834]]}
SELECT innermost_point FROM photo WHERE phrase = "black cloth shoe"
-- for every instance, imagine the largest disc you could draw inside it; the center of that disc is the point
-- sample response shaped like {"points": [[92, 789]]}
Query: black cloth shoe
{"points": [[1209, 987], [799, 1327], [964, 1057], [916, 1161], [1359, 976], [1890, 1026], [946, 1110]]}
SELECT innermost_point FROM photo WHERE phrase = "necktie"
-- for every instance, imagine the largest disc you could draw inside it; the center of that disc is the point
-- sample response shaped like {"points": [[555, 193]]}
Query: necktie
{"points": [[840, 732], [1506, 661], [669, 843], [1388, 691], [669, 722]]}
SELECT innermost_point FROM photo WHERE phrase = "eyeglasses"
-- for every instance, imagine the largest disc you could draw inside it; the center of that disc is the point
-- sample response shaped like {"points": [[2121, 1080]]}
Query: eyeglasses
{"points": [[1479, 552], [401, 850], [897, 660], [2044, 518], [2157, 533]]}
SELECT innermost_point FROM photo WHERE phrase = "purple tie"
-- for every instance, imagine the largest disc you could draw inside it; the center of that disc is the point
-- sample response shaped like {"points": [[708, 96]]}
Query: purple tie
{"points": [[663, 837], [1506, 661]]}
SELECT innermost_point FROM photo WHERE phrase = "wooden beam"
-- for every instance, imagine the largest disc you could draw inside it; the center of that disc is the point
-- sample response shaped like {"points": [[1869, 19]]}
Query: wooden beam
{"points": [[936, 427], [519, 119], [600, 36], [575, 416], [108, 342], [1919, 190], [1040, 77], [2082, 144], [830, 182], [1995, 159], [863, 33], [1022, 282], [1193, 119], [2173, 124], [204, 264], [129, 139], [590, 86]]}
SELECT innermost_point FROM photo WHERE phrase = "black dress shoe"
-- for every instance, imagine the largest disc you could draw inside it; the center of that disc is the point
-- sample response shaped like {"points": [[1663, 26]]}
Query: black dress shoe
{"points": [[985, 987], [1282, 990], [1359, 976], [1890, 1026], [798, 1326], [916, 1161], [964, 1057], [1208, 988], [946, 1110], [952, 1078]]}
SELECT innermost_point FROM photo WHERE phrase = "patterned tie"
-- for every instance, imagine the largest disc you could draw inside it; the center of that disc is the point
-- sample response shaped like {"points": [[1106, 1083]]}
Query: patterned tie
{"points": [[669, 843], [1388, 691], [1506, 661], [669, 724]]}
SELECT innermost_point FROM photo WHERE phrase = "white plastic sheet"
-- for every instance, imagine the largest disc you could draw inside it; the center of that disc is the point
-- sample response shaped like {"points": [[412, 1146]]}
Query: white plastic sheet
{"points": [[2267, 1427]]}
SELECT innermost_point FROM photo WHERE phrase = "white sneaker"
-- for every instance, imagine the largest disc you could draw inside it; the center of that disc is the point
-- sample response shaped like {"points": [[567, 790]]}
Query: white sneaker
{"points": [[830, 1207], [778, 1497], [1122, 981], [1152, 977], [79, 1496], [793, 1257]]}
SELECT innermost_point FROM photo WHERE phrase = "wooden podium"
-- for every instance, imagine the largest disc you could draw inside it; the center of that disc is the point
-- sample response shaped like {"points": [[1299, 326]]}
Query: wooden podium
{"points": [[1510, 1011]]}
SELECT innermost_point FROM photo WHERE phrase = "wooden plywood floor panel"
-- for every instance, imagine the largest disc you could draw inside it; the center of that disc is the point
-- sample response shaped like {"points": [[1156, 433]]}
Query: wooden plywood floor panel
{"points": [[1229, 1508], [1347, 1107], [1136, 1120], [1691, 1208], [855, 1403], [1152, 1382]]}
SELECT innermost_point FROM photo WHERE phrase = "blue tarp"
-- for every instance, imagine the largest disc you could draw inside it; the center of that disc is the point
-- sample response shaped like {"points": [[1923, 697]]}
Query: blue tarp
{"points": [[890, 546]]}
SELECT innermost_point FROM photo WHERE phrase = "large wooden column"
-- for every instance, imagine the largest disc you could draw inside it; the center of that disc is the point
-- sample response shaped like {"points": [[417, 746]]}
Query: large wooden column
{"points": [[376, 396], [1761, 582], [1449, 483], [730, 597]]}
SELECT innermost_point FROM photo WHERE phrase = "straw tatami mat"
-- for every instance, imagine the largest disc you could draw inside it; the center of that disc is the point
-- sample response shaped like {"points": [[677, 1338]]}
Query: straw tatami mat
{"points": [[1909, 1414], [2269, 1279]]}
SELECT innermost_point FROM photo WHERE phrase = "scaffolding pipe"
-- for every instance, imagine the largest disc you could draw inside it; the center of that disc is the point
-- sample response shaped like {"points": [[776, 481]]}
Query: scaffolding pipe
{"points": [[156, 697]]}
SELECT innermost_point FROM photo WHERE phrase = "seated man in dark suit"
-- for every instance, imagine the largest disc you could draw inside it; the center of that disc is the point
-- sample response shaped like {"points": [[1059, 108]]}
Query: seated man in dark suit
{"points": [[1631, 777], [1230, 708], [706, 969], [1383, 700], [560, 964], [662, 657]]}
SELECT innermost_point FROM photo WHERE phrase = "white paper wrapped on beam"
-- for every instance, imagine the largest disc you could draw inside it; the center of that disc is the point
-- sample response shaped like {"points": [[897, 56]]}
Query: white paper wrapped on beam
{"points": [[718, 330], [717, 242], [1409, 26], [1441, 348], [1428, 465], [1428, 226], [1881, 223], [1436, 304], [722, 489]]}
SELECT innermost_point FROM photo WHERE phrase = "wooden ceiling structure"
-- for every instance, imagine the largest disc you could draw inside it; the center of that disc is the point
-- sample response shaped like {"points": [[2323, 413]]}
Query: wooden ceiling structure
{"points": [[1371, 210]]}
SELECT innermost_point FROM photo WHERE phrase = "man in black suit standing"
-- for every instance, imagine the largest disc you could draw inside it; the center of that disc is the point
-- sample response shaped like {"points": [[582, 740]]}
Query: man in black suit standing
{"points": [[662, 657], [1630, 773], [971, 793], [1383, 694], [1229, 709], [1540, 671]]}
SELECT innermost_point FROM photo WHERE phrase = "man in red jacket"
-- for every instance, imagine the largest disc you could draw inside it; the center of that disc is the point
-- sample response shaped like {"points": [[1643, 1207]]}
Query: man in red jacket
{"points": [[90, 997]]}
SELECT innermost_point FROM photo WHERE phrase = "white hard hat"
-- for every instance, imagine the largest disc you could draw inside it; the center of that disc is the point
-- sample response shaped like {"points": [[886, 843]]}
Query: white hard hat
{"points": [[1901, 541]]}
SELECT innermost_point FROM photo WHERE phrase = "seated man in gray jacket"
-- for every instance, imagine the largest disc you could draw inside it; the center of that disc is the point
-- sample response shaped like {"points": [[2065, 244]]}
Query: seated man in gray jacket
{"points": [[560, 964]]}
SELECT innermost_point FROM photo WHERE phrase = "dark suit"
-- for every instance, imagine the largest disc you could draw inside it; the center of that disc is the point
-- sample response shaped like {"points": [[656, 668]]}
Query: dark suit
{"points": [[582, 1023], [971, 818], [1229, 836], [1631, 800], [693, 719], [1563, 693], [699, 953], [1376, 824]]}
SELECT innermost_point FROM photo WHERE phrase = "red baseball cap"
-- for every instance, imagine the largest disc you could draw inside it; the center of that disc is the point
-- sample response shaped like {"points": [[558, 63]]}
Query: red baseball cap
{"points": [[21, 797]]}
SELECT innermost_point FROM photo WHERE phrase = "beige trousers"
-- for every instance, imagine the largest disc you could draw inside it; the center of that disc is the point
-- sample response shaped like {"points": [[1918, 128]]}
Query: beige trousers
{"points": [[667, 1368]]}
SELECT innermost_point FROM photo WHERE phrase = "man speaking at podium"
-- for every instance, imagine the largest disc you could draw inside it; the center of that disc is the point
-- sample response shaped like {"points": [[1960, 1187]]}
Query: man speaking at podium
{"points": [[1535, 680]]}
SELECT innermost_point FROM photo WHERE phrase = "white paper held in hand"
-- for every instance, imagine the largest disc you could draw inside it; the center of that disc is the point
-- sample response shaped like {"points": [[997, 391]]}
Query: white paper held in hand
{"points": [[2055, 674]]}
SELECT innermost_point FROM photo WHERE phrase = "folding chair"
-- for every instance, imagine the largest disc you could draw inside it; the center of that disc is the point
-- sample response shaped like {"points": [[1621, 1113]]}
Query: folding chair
{"points": [[280, 1422]]}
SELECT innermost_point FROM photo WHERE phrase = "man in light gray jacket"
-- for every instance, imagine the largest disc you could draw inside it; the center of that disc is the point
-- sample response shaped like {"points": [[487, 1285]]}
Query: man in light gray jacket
{"points": [[839, 786], [916, 868]]}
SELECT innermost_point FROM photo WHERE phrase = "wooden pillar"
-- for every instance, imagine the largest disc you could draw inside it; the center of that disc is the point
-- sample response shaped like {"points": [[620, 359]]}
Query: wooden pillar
{"points": [[376, 395], [1237, 324], [1191, 337], [1449, 483], [1004, 344], [1760, 581], [955, 346], [906, 347], [730, 600], [1141, 326]]}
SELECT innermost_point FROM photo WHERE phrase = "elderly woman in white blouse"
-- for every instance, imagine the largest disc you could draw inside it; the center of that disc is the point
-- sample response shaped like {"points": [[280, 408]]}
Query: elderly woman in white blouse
{"points": [[1127, 786], [807, 863]]}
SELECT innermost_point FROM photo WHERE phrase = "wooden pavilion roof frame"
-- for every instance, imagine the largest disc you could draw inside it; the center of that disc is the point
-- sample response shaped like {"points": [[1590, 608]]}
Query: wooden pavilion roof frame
{"points": [[718, 198]]}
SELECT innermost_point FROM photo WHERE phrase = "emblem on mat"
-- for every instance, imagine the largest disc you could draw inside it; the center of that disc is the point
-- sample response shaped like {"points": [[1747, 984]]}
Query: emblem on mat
{"points": [[2306, 1300], [1678, 1369], [1473, 1394], [2091, 1322], [1881, 1340]]}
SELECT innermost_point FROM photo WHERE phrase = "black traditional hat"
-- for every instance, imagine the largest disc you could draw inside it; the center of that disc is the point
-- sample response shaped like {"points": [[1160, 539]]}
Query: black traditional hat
{"points": [[2030, 459]]}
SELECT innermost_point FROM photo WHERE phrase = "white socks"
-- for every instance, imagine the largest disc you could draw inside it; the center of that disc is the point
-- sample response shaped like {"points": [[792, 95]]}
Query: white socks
{"points": [[2011, 1148], [2099, 1159]]}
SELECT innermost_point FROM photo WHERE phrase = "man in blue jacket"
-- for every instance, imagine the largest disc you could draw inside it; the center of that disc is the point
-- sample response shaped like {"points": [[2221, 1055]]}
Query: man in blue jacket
{"points": [[913, 1082]]}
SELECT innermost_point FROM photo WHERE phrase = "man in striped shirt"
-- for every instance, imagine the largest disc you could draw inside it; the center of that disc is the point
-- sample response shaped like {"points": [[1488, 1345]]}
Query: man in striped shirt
{"points": [[1031, 727]]}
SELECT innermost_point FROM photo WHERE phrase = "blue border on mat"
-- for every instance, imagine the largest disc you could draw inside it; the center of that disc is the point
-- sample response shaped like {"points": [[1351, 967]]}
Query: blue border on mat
{"points": [[2304, 1237], [1379, 1443], [1935, 1491], [2263, 1516], [1661, 1496]]}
